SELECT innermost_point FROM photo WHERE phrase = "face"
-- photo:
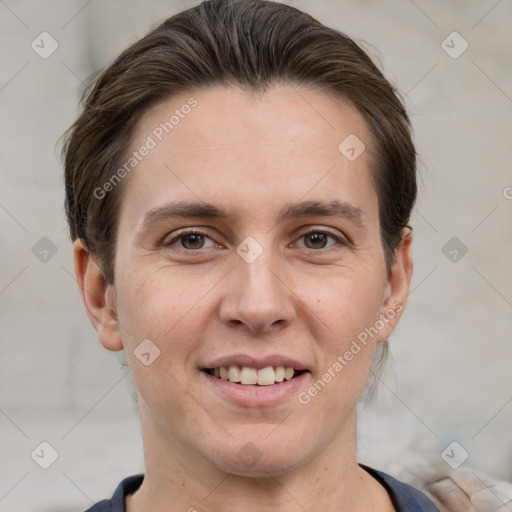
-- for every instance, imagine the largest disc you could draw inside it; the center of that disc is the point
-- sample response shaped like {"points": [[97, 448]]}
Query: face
{"points": [[284, 268]]}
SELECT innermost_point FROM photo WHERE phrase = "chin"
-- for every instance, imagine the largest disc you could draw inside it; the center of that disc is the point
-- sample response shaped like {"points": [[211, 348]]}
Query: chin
{"points": [[259, 452], [264, 467]]}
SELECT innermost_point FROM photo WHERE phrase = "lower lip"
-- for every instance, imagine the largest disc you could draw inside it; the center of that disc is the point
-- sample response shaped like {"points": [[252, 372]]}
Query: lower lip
{"points": [[254, 395]]}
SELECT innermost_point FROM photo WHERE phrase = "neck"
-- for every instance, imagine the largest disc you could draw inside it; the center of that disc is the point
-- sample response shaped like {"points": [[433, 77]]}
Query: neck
{"points": [[176, 474]]}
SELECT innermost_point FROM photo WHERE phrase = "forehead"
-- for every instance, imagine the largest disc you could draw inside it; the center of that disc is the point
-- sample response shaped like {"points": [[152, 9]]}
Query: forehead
{"points": [[223, 144], [230, 115]]}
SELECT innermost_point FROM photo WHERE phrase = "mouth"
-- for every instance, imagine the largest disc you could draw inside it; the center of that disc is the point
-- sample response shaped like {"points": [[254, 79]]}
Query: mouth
{"points": [[249, 376]]}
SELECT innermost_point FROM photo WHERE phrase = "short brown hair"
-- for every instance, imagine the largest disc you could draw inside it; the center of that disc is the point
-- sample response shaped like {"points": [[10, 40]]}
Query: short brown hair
{"points": [[252, 44]]}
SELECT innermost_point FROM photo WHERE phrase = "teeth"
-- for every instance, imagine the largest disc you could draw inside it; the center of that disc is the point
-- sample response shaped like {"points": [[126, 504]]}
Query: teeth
{"points": [[288, 373], [234, 373], [246, 375], [279, 374], [249, 375], [266, 376]]}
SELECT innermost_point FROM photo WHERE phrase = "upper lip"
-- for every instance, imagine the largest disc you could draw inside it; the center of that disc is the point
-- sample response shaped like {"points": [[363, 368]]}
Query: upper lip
{"points": [[255, 362]]}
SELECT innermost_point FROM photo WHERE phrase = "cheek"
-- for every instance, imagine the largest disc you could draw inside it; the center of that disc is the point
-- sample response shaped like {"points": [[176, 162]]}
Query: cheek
{"points": [[155, 294], [166, 306], [346, 300], [349, 307]]}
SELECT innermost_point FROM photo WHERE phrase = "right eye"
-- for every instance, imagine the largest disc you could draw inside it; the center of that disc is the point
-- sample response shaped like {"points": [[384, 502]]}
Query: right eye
{"points": [[189, 240]]}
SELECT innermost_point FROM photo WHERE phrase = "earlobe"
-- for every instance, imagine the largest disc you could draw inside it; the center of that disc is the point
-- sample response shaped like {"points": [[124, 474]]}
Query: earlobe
{"points": [[398, 284], [98, 297]]}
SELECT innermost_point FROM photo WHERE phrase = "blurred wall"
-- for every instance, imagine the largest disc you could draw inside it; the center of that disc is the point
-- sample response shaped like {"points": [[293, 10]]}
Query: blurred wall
{"points": [[449, 378]]}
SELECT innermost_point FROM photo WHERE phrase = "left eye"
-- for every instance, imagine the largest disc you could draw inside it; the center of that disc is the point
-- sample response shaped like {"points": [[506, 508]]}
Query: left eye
{"points": [[318, 239]]}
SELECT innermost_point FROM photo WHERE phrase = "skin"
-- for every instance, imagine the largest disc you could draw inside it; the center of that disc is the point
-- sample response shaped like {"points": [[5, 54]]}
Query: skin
{"points": [[301, 297]]}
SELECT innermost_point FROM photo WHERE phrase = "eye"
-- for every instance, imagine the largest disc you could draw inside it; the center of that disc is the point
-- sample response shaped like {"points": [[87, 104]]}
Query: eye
{"points": [[193, 240], [317, 239], [189, 240]]}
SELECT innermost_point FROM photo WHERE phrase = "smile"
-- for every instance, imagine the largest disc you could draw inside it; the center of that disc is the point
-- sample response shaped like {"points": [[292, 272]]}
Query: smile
{"points": [[248, 376]]}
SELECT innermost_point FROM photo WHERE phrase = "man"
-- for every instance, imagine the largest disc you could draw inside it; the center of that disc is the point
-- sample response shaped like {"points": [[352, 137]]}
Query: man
{"points": [[238, 189]]}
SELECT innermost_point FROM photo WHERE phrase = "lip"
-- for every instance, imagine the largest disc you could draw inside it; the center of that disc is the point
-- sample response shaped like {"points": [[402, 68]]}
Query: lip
{"points": [[253, 362], [254, 395]]}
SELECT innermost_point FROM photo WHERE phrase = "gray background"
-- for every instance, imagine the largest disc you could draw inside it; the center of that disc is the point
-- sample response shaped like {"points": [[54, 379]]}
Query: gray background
{"points": [[450, 375]]}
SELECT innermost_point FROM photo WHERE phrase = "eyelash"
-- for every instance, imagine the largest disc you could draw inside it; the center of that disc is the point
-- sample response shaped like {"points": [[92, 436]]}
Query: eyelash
{"points": [[184, 234]]}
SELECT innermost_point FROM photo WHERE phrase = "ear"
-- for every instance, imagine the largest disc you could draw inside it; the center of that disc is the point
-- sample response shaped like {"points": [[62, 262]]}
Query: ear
{"points": [[397, 288], [98, 297]]}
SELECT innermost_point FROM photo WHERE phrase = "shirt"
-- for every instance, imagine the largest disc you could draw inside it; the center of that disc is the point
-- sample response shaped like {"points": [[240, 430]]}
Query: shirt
{"points": [[404, 497]]}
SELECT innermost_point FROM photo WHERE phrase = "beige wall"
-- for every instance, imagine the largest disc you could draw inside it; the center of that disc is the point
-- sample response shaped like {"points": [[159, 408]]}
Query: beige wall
{"points": [[450, 378]]}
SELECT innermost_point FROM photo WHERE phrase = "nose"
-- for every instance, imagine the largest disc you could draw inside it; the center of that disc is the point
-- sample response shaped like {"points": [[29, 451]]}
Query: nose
{"points": [[257, 297]]}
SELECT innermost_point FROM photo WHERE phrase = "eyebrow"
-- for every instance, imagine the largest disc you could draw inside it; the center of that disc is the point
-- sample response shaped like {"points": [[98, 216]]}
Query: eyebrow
{"points": [[184, 209]]}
